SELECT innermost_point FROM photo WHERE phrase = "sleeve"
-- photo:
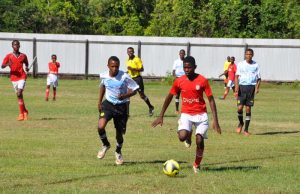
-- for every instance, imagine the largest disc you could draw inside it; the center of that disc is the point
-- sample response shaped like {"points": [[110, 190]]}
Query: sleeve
{"points": [[131, 84], [139, 63], [207, 89], [6, 59], [175, 89], [238, 67], [57, 64], [258, 72]]}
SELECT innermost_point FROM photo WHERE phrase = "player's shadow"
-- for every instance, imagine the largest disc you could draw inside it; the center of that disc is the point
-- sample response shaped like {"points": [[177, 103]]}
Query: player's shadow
{"points": [[230, 168], [277, 132], [149, 162], [51, 118]]}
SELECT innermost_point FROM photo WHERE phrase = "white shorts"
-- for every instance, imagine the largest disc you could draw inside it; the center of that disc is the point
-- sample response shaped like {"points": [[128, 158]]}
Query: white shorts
{"points": [[230, 84], [52, 80], [19, 84], [200, 122]]}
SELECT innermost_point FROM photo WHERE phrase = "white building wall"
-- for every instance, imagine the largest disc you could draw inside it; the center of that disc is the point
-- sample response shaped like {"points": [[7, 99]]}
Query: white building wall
{"points": [[278, 58]]}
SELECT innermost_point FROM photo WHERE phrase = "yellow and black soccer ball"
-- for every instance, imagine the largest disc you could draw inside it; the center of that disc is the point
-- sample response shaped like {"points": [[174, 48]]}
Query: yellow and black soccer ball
{"points": [[171, 168]]}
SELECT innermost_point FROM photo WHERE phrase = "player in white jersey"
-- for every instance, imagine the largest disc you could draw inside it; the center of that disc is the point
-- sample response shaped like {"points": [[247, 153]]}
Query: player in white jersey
{"points": [[117, 86], [247, 81], [178, 72]]}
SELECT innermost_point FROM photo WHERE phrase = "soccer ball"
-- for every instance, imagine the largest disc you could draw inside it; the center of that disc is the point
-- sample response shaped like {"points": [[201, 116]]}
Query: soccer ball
{"points": [[171, 168]]}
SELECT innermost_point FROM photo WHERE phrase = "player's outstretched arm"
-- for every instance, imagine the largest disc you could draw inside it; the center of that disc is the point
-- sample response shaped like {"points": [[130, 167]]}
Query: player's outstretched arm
{"points": [[159, 119], [213, 108], [101, 95], [236, 84], [257, 86]]}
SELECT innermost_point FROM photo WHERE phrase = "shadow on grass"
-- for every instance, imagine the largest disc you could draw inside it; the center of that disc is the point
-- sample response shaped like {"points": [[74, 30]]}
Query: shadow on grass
{"points": [[228, 168], [51, 118], [149, 162], [277, 132]]}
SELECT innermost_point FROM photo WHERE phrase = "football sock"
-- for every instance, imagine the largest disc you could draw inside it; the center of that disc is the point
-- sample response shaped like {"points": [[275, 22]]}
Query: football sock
{"points": [[146, 99], [118, 147], [247, 121], [103, 137], [240, 116], [47, 93], [199, 155], [54, 93], [21, 106]]}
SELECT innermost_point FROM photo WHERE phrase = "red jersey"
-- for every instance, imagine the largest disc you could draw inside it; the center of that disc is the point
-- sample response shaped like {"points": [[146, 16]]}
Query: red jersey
{"points": [[192, 93], [231, 71], [16, 68], [53, 67]]}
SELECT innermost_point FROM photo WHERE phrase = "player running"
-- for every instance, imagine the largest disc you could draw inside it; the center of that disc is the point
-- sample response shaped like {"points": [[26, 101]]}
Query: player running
{"points": [[52, 78], [135, 67], [247, 82], [193, 110], [231, 70], [15, 61], [117, 87]]}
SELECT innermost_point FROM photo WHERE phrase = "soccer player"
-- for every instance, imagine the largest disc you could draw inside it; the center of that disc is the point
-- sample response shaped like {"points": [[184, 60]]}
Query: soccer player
{"points": [[178, 72], [117, 87], [15, 61], [52, 77], [225, 68], [231, 77], [135, 67], [247, 82], [193, 110]]}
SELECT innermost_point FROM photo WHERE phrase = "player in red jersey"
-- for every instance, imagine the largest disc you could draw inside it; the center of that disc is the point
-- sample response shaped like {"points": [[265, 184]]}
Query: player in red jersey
{"points": [[193, 110], [231, 70], [15, 61], [52, 78]]}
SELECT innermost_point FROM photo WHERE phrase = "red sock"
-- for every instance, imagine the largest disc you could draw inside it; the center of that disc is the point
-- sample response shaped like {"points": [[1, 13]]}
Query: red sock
{"points": [[199, 156], [47, 93], [21, 106], [54, 93]]}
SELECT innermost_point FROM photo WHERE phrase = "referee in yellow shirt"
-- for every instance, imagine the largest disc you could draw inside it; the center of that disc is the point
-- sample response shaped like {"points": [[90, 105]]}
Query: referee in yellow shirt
{"points": [[135, 67]]}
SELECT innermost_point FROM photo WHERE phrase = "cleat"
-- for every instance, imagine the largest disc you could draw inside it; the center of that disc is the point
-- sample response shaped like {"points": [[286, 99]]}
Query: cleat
{"points": [[196, 168], [103, 151], [119, 158], [151, 111], [20, 117], [188, 143], [25, 115], [239, 129], [246, 133]]}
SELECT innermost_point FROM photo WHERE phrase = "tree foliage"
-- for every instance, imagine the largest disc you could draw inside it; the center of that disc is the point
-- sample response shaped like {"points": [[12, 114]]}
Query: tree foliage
{"points": [[176, 18]]}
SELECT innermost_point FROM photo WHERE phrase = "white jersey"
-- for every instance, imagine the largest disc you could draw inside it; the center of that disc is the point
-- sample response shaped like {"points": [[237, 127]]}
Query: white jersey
{"points": [[114, 86], [248, 73], [178, 67]]}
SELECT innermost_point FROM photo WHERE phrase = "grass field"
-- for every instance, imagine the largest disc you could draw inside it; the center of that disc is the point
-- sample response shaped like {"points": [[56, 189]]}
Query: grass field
{"points": [[55, 151]]}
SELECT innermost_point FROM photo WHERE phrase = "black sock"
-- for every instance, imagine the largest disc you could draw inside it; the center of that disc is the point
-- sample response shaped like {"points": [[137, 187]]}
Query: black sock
{"points": [[102, 135], [247, 121], [118, 148], [240, 116], [146, 99]]}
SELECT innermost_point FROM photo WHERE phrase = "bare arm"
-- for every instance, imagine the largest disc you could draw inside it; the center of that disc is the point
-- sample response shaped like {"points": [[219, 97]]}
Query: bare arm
{"points": [[213, 108], [159, 120], [101, 95], [224, 73], [257, 86], [236, 83]]}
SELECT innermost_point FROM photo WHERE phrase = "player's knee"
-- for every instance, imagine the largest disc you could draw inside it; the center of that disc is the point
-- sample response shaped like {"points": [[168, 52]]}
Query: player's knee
{"points": [[182, 135], [199, 141], [240, 112]]}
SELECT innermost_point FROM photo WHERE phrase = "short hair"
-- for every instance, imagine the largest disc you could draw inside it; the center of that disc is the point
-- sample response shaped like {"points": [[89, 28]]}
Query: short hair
{"points": [[53, 55], [190, 59], [15, 41], [114, 58], [130, 48], [182, 50], [249, 49]]}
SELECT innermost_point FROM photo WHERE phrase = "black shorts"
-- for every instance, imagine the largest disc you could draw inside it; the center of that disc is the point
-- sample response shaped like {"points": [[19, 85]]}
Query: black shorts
{"points": [[246, 95], [140, 82], [116, 112]]}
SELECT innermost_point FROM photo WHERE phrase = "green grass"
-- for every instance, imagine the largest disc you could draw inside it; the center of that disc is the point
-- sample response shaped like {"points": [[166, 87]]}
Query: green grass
{"points": [[55, 151]]}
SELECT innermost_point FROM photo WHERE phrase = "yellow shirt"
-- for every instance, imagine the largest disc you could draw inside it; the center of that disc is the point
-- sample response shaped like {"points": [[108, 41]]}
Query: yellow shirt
{"points": [[135, 63], [226, 64]]}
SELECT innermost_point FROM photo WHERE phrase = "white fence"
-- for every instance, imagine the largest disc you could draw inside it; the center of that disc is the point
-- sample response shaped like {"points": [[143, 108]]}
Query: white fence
{"points": [[87, 54]]}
